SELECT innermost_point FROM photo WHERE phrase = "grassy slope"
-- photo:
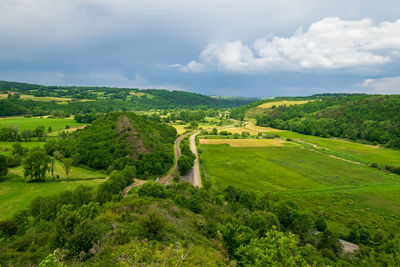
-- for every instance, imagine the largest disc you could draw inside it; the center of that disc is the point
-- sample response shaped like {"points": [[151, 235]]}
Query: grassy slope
{"points": [[32, 123], [355, 151], [342, 191]]}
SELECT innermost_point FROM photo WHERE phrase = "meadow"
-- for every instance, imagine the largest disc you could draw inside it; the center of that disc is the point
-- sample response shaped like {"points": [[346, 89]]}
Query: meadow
{"points": [[246, 142], [342, 192], [16, 193], [362, 153], [6, 147], [34, 122], [253, 112]]}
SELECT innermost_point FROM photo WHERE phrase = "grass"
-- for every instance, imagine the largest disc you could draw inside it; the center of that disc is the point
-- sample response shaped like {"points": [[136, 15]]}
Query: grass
{"points": [[253, 112], [34, 122], [340, 191], [354, 151], [252, 126], [40, 98], [16, 193], [180, 128], [282, 103], [59, 100], [6, 147], [239, 130], [245, 142]]}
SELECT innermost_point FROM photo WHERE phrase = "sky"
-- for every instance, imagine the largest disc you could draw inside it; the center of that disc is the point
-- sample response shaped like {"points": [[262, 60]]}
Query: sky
{"points": [[215, 47]]}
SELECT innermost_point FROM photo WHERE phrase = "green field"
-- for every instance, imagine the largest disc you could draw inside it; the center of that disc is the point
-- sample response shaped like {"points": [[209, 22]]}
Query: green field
{"points": [[354, 151], [34, 122], [6, 147], [340, 190], [16, 193]]}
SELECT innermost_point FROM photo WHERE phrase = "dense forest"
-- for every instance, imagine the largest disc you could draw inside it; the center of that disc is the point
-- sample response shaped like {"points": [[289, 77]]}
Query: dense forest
{"points": [[104, 99], [119, 139]]}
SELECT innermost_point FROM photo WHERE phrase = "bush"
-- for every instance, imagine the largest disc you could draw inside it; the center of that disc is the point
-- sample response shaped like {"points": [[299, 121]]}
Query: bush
{"points": [[14, 160], [8, 228], [152, 189], [153, 226], [3, 165], [185, 163], [374, 165], [320, 224]]}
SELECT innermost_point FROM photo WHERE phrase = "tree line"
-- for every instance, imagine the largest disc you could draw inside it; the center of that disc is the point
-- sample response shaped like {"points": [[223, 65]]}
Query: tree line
{"points": [[373, 119]]}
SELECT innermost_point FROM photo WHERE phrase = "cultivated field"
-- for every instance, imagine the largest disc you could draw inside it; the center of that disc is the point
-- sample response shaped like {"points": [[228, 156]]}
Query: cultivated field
{"points": [[339, 190], [282, 103], [245, 142], [253, 112]]}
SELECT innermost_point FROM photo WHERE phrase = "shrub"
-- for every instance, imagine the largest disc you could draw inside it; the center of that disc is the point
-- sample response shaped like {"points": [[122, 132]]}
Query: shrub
{"points": [[320, 224], [152, 189], [14, 160], [153, 226], [8, 228]]}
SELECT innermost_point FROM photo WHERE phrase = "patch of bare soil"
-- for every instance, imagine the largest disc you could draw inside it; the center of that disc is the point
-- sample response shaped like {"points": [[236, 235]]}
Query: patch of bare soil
{"points": [[132, 138]]}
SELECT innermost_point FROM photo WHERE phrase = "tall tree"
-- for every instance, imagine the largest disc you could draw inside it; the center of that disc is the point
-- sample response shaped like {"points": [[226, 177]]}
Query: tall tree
{"points": [[52, 162], [36, 165], [67, 165]]}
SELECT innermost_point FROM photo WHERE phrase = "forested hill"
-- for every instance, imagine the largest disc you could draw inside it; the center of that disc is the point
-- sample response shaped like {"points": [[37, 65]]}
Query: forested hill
{"points": [[119, 139], [136, 99], [372, 118]]}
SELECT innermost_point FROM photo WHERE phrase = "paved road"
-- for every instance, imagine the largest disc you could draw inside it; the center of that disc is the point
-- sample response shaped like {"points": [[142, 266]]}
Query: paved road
{"points": [[166, 179], [196, 181], [193, 176]]}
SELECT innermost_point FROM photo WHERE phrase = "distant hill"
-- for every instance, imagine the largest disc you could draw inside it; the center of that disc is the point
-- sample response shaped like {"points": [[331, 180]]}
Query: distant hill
{"points": [[134, 98], [371, 118]]}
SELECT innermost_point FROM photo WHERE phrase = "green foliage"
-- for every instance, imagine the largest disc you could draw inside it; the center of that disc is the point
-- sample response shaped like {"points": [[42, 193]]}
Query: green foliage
{"points": [[153, 189], [36, 164], [121, 139], [3, 165], [152, 226], [374, 119], [67, 163], [275, 249], [150, 253], [329, 240]]}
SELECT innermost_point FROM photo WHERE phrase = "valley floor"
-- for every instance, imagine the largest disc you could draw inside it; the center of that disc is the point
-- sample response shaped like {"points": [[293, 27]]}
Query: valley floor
{"points": [[328, 177]]}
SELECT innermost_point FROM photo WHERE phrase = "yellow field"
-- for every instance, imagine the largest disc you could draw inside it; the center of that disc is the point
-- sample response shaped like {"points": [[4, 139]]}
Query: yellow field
{"points": [[61, 100], [138, 94], [281, 103], [252, 126], [239, 130], [180, 129], [244, 142], [42, 98], [70, 130]]}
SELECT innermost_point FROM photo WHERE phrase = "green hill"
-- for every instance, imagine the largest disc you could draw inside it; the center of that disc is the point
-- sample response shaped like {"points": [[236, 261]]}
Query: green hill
{"points": [[119, 139], [369, 118], [74, 99]]}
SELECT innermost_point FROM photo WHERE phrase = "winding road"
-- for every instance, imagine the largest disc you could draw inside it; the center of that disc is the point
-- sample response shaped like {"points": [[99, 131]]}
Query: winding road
{"points": [[193, 176]]}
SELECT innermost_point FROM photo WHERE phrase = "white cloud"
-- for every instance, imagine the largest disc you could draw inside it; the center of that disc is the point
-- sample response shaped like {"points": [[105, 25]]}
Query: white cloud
{"points": [[330, 43], [387, 85]]}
